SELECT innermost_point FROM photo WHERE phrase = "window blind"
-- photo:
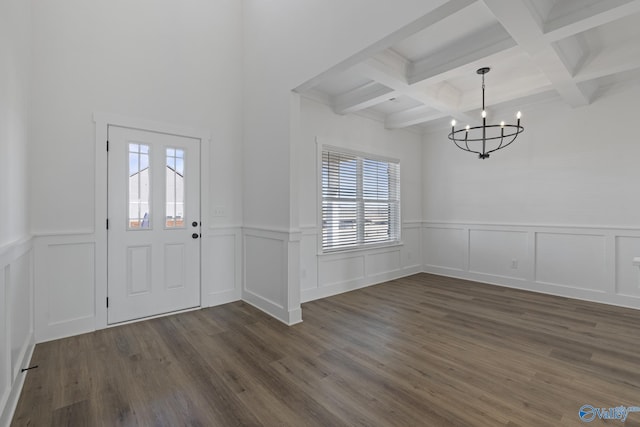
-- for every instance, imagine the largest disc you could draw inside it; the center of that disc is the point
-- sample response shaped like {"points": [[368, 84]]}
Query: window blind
{"points": [[360, 200]]}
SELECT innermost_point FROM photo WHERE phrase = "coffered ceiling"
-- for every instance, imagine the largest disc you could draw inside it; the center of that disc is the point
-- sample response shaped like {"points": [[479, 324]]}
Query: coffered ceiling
{"points": [[425, 74]]}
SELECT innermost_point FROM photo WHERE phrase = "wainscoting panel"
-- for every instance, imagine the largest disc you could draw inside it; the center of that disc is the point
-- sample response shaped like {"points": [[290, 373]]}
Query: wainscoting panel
{"points": [[337, 269], [20, 296], [271, 267], [65, 285], [5, 347], [445, 247], [383, 262], [412, 248], [627, 274], [221, 266], [572, 260], [499, 253], [308, 260], [323, 275], [264, 278], [589, 263], [16, 322]]}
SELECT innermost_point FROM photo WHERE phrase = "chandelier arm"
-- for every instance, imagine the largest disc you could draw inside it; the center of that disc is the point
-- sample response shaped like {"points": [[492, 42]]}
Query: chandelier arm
{"points": [[501, 138], [520, 130], [455, 141], [464, 149], [500, 145]]}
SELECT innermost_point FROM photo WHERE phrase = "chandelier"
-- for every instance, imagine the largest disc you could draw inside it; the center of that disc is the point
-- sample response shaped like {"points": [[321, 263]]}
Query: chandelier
{"points": [[484, 140]]}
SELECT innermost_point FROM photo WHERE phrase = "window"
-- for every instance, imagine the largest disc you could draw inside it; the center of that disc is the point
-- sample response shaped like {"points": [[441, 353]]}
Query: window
{"points": [[175, 188], [139, 190], [360, 200]]}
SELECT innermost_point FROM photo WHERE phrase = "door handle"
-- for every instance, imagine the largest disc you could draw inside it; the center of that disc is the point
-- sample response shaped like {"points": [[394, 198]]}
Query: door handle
{"points": [[194, 223], [195, 235]]}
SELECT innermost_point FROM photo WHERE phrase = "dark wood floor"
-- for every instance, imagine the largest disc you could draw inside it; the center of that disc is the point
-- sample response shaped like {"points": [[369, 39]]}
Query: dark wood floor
{"points": [[420, 351]]}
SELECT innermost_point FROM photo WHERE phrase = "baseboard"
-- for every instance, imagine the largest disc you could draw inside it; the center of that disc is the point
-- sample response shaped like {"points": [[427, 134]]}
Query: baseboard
{"points": [[11, 403], [307, 295], [543, 288], [219, 298], [277, 312], [65, 329]]}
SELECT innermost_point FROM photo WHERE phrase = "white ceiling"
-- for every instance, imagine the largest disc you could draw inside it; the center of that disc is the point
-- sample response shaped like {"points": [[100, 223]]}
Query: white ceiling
{"points": [[425, 74]]}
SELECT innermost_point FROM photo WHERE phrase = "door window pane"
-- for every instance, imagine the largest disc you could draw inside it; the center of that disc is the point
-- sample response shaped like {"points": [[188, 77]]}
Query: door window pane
{"points": [[139, 187], [175, 188]]}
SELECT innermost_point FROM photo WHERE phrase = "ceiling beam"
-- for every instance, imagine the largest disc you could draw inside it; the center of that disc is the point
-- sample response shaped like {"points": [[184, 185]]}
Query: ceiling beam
{"points": [[390, 69], [613, 60], [490, 41], [423, 114], [410, 117], [471, 105], [518, 20], [362, 97], [317, 96], [436, 15], [387, 68], [586, 18]]}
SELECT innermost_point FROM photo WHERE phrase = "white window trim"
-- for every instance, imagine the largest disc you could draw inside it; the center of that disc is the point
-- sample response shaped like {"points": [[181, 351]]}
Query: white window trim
{"points": [[321, 145]]}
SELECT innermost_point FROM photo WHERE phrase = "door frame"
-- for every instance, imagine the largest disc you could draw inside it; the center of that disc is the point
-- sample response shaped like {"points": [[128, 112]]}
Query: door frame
{"points": [[102, 123]]}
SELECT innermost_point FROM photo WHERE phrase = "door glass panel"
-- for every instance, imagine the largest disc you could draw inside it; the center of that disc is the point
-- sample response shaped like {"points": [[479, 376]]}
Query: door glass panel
{"points": [[175, 188], [139, 187]]}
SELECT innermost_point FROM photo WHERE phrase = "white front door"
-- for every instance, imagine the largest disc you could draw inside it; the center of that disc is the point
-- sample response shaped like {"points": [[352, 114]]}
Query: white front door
{"points": [[153, 224]]}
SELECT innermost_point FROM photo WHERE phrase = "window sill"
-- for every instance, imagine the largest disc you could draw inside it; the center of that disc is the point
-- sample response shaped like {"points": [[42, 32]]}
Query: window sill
{"points": [[360, 249]]}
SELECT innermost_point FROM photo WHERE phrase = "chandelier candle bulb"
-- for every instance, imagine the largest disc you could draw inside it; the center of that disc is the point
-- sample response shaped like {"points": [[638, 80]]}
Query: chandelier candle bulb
{"points": [[486, 138]]}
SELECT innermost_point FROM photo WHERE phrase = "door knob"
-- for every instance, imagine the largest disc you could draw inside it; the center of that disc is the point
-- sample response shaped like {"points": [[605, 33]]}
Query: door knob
{"points": [[194, 223], [195, 235]]}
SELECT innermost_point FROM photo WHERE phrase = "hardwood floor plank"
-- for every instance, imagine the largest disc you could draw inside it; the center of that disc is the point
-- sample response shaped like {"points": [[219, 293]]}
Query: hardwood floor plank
{"points": [[76, 414], [422, 350]]}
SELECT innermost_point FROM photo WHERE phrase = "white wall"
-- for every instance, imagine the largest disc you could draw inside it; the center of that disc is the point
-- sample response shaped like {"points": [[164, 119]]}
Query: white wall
{"points": [[557, 212], [175, 63], [16, 265], [322, 275], [15, 34], [286, 43]]}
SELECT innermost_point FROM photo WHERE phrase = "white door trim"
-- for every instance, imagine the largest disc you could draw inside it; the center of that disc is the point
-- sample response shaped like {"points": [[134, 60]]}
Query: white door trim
{"points": [[103, 121]]}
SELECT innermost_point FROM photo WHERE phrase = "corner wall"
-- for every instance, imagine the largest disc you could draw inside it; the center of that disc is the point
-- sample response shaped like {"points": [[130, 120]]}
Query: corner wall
{"points": [[16, 255], [286, 44], [557, 212], [322, 275]]}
